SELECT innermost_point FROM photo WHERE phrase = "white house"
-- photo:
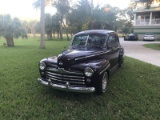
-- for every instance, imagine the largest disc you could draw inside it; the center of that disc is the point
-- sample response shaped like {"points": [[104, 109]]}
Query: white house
{"points": [[147, 19]]}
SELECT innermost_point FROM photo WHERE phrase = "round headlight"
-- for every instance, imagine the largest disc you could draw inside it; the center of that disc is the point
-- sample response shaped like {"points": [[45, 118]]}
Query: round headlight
{"points": [[42, 66], [88, 72]]}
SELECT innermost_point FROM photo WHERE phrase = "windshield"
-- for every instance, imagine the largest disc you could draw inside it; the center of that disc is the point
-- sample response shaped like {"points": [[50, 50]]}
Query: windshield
{"points": [[132, 34], [149, 34], [89, 41]]}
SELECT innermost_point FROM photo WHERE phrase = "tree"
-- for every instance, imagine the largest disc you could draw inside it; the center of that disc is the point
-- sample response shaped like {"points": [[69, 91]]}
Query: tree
{"points": [[79, 14], [42, 21], [56, 24], [130, 13], [37, 27], [148, 2], [41, 4], [127, 27], [62, 7], [48, 25], [104, 18], [11, 28], [30, 26], [82, 16]]}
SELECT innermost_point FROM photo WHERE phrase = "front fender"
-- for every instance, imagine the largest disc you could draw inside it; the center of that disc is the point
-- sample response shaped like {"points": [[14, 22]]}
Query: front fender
{"points": [[99, 66], [121, 52]]}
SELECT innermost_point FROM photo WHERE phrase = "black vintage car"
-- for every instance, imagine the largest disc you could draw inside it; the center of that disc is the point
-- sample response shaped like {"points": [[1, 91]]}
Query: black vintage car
{"points": [[86, 66]]}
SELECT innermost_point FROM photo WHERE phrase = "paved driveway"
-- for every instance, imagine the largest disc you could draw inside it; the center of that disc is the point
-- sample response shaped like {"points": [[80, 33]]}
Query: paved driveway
{"points": [[135, 49]]}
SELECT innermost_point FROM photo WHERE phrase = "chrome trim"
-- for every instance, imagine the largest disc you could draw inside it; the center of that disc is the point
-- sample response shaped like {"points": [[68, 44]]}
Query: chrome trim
{"points": [[67, 87], [52, 65], [62, 81], [42, 64], [84, 57], [70, 79], [61, 75], [63, 71], [105, 69], [98, 53], [91, 71]]}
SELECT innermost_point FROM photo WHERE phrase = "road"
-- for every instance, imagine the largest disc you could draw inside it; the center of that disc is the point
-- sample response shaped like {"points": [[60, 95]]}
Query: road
{"points": [[135, 49]]}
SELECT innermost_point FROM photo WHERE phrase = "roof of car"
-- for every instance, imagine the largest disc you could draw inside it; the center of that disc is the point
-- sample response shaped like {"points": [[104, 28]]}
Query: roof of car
{"points": [[148, 33], [131, 34], [95, 31]]}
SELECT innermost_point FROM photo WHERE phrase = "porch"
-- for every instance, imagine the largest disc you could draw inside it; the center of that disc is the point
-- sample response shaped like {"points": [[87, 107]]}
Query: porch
{"points": [[148, 22], [147, 18]]}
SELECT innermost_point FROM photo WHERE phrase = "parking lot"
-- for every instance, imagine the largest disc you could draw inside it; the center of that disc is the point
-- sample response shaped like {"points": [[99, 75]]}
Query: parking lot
{"points": [[135, 49]]}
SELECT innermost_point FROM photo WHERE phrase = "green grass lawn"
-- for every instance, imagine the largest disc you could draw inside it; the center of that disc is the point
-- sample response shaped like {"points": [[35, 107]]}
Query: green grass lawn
{"points": [[155, 46], [133, 93]]}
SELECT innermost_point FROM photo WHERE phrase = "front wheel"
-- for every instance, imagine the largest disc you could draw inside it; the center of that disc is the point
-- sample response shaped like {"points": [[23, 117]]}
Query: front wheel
{"points": [[102, 83]]}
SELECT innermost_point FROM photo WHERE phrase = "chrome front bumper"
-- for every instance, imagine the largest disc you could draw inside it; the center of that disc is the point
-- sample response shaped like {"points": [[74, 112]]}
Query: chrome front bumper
{"points": [[67, 87]]}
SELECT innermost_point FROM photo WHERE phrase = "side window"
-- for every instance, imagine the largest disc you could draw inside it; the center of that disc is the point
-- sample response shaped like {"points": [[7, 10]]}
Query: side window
{"points": [[117, 38], [113, 40]]}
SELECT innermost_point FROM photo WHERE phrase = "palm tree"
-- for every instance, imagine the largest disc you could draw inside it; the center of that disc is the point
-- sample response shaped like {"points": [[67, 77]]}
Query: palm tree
{"points": [[11, 28], [62, 7], [41, 4], [42, 21]]}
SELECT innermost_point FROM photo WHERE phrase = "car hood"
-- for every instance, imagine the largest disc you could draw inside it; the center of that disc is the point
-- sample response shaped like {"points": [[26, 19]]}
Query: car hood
{"points": [[148, 35], [71, 57]]}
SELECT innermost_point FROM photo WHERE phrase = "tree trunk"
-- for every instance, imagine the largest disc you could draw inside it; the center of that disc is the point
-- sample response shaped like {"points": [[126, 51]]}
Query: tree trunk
{"points": [[10, 42], [42, 20], [54, 35], [58, 35], [49, 36], [60, 32], [71, 34], [66, 31], [67, 36]]}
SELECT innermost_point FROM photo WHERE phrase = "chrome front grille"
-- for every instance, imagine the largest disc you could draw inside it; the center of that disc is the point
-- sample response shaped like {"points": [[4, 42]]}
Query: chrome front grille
{"points": [[61, 76]]}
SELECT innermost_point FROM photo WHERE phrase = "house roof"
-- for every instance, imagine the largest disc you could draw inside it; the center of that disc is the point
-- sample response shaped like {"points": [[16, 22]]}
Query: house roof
{"points": [[155, 9]]}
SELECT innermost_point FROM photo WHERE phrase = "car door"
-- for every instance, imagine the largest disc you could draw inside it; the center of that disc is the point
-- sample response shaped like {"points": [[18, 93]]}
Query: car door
{"points": [[113, 47]]}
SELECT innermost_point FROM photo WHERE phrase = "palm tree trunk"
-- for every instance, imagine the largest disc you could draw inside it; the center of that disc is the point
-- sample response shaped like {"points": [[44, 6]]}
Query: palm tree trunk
{"points": [[42, 19]]}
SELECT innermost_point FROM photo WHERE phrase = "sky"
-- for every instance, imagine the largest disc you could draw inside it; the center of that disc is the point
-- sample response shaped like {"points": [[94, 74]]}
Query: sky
{"points": [[24, 9]]}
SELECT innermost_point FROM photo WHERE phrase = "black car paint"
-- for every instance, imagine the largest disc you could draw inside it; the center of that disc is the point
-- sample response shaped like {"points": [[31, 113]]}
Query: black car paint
{"points": [[100, 60]]}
